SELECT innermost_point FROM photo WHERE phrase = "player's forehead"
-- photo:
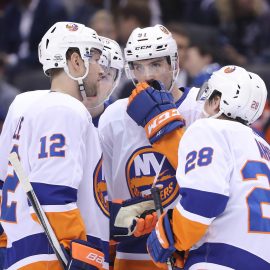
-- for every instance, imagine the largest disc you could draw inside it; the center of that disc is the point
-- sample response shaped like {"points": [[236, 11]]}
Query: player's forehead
{"points": [[146, 62]]}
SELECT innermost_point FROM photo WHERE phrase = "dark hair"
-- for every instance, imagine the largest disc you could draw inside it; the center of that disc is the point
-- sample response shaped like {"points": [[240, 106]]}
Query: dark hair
{"points": [[72, 50], [215, 94]]}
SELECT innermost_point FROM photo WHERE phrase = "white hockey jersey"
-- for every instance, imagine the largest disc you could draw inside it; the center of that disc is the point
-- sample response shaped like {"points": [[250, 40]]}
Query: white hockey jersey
{"points": [[130, 165], [224, 212], [59, 150]]}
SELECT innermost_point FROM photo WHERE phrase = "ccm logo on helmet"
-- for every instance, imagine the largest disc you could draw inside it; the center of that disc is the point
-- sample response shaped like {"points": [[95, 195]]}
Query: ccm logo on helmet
{"points": [[94, 257], [143, 47]]}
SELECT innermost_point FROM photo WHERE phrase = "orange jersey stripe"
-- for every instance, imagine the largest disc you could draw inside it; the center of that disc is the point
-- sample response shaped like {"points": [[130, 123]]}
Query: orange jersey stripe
{"points": [[186, 232], [121, 264], [3, 240], [44, 265], [67, 226], [168, 145]]}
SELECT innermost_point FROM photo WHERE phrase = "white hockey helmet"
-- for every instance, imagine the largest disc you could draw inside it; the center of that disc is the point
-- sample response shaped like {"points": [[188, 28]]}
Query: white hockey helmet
{"points": [[243, 94], [112, 57], [151, 42], [62, 36]]}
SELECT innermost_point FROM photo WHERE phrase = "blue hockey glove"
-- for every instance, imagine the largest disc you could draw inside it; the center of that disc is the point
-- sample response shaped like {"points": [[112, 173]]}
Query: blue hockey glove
{"points": [[84, 256], [154, 110], [132, 218], [160, 243]]}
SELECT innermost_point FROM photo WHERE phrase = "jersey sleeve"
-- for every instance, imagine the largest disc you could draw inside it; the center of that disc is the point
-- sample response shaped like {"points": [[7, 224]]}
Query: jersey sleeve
{"points": [[57, 152], [203, 175], [168, 145]]}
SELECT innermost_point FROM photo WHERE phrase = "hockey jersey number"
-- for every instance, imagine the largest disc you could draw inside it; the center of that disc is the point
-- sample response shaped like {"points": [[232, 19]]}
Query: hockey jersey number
{"points": [[8, 210], [257, 197], [57, 142]]}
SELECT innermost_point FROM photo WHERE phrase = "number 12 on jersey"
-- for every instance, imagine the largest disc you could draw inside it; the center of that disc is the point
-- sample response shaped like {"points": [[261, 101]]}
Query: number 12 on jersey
{"points": [[52, 146]]}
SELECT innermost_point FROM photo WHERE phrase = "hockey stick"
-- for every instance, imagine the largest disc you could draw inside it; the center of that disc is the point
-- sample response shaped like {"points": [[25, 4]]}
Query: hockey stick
{"points": [[155, 191], [17, 166]]}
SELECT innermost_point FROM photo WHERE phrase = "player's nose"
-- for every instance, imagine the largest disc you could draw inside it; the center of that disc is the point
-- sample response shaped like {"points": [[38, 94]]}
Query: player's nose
{"points": [[149, 75], [101, 70]]}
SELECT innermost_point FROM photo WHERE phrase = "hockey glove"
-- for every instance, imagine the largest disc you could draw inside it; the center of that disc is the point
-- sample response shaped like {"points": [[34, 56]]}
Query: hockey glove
{"points": [[132, 218], [154, 109], [84, 256], [160, 243]]}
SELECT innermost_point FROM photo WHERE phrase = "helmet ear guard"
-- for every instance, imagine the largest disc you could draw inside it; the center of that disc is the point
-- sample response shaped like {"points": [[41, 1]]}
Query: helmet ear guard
{"points": [[243, 94]]}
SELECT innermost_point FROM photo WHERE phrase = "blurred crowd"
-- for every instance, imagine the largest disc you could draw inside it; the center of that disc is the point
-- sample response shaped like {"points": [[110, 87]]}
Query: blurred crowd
{"points": [[209, 34]]}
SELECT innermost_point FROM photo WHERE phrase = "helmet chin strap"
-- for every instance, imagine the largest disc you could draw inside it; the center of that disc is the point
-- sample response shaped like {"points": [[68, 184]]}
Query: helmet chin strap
{"points": [[217, 115], [207, 115], [79, 79]]}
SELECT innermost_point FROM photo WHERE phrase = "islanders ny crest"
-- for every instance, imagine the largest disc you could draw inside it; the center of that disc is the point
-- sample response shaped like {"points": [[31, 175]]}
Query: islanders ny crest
{"points": [[100, 189], [141, 170]]}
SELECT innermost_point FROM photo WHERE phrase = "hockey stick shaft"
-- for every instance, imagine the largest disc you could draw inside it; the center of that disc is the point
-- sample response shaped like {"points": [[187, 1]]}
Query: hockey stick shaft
{"points": [[155, 191], [14, 160]]}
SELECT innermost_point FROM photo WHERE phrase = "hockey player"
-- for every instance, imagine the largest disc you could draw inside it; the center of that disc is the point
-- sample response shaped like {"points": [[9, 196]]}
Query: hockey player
{"points": [[58, 148], [130, 163], [223, 172], [112, 63]]}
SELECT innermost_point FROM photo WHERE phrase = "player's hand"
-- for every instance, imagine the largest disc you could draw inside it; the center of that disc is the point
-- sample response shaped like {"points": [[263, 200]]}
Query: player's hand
{"points": [[160, 243], [84, 256], [154, 109], [133, 217]]}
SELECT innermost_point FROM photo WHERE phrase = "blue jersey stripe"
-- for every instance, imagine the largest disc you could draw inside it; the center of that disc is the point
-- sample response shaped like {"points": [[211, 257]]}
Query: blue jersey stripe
{"points": [[54, 194], [226, 255], [134, 245], [185, 91], [101, 245], [35, 244], [203, 203]]}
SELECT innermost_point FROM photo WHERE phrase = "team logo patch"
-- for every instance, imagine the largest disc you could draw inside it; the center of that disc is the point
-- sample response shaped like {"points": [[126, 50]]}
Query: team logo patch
{"points": [[229, 69], [100, 189], [72, 27], [141, 170]]}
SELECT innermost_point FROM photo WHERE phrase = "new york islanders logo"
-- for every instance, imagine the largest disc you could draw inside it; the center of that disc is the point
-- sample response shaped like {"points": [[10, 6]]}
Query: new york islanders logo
{"points": [[229, 69], [141, 170], [72, 27], [100, 189]]}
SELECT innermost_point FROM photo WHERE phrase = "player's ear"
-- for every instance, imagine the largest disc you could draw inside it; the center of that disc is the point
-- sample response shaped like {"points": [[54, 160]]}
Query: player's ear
{"points": [[216, 103], [76, 60], [76, 64]]}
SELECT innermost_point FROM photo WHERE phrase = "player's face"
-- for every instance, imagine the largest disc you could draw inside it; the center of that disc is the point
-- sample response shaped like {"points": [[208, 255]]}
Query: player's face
{"points": [[104, 88], [94, 75], [152, 69]]}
